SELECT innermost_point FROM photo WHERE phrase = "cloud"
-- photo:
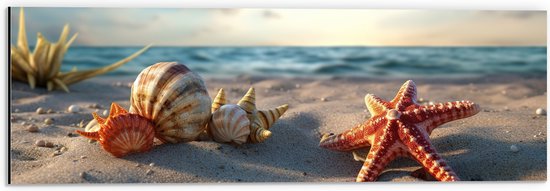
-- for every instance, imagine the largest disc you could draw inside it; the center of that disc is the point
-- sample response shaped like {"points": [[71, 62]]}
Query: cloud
{"points": [[210, 30], [524, 14], [139, 26], [269, 14], [512, 14], [117, 18], [229, 12], [498, 29]]}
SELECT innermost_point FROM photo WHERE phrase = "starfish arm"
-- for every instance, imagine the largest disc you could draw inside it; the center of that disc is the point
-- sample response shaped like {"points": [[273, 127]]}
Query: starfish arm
{"points": [[423, 151], [431, 116], [380, 155], [405, 97], [375, 105], [354, 138]]}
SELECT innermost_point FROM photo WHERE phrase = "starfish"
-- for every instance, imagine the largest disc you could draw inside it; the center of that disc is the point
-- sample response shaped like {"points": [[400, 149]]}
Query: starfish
{"points": [[400, 128]]}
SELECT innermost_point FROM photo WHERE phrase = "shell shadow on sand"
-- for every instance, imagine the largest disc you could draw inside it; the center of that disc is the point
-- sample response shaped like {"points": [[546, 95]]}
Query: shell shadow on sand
{"points": [[280, 159], [468, 153]]}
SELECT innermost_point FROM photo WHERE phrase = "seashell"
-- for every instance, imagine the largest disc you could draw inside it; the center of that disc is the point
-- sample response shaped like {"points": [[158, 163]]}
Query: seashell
{"points": [[32, 128], [258, 134], [229, 124], [40, 111], [48, 121], [540, 111], [268, 117], [219, 100], [40, 143], [174, 98], [92, 126], [248, 102], [73, 109], [122, 133], [260, 121]]}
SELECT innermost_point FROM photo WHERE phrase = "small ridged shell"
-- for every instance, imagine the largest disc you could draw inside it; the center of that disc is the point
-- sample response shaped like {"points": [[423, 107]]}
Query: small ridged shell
{"points": [[268, 117], [174, 98], [229, 124]]}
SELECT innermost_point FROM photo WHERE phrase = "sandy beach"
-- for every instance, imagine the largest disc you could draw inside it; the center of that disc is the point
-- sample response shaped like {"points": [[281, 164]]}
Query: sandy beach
{"points": [[477, 148]]}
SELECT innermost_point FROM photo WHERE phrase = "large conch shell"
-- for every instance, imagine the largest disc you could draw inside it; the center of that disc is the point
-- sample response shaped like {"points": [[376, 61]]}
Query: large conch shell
{"points": [[174, 98], [260, 121]]}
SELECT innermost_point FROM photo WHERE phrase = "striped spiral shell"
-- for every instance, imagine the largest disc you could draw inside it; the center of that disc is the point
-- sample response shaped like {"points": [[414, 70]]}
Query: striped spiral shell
{"points": [[268, 117], [229, 124], [219, 100], [258, 133], [259, 121], [174, 98]]}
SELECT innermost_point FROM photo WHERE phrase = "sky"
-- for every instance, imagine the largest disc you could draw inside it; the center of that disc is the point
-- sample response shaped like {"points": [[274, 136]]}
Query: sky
{"points": [[285, 27]]}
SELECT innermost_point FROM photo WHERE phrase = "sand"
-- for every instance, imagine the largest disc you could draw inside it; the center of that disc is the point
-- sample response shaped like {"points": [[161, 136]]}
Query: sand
{"points": [[477, 148]]}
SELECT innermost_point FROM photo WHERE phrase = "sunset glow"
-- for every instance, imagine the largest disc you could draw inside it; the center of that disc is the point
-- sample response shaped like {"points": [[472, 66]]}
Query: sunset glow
{"points": [[287, 27]]}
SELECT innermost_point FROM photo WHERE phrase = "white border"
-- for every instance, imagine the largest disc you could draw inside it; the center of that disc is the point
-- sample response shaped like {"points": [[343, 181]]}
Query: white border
{"points": [[334, 4], [367, 4]]}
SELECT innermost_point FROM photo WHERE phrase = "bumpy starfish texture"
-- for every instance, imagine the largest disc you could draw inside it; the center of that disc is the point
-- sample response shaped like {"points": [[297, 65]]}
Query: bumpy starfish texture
{"points": [[400, 128]]}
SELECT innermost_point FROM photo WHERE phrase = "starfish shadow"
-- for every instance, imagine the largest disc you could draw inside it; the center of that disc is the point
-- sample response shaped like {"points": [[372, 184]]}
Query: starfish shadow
{"points": [[481, 158], [472, 156], [489, 158]]}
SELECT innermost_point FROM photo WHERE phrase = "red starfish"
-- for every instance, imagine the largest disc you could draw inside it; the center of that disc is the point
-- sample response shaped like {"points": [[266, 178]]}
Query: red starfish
{"points": [[400, 128]]}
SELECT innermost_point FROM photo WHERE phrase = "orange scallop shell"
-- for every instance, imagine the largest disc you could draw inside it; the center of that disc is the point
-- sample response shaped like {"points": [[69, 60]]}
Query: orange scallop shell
{"points": [[123, 133]]}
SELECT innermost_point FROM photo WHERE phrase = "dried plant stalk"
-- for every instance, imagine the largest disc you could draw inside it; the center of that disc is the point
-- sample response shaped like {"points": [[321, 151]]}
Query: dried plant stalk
{"points": [[42, 66]]}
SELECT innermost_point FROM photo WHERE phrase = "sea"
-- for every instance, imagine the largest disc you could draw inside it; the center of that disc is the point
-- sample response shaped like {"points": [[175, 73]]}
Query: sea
{"points": [[321, 61]]}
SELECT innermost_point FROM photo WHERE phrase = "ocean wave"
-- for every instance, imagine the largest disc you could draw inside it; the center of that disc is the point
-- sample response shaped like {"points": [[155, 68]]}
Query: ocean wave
{"points": [[338, 69], [357, 59], [201, 56], [311, 61]]}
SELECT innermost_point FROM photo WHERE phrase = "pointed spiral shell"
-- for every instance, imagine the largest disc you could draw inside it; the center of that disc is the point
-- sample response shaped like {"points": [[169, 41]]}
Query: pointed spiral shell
{"points": [[248, 102], [219, 100], [229, 124], [268, 117], [174, 98], [259, 121], [258, 134]]}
